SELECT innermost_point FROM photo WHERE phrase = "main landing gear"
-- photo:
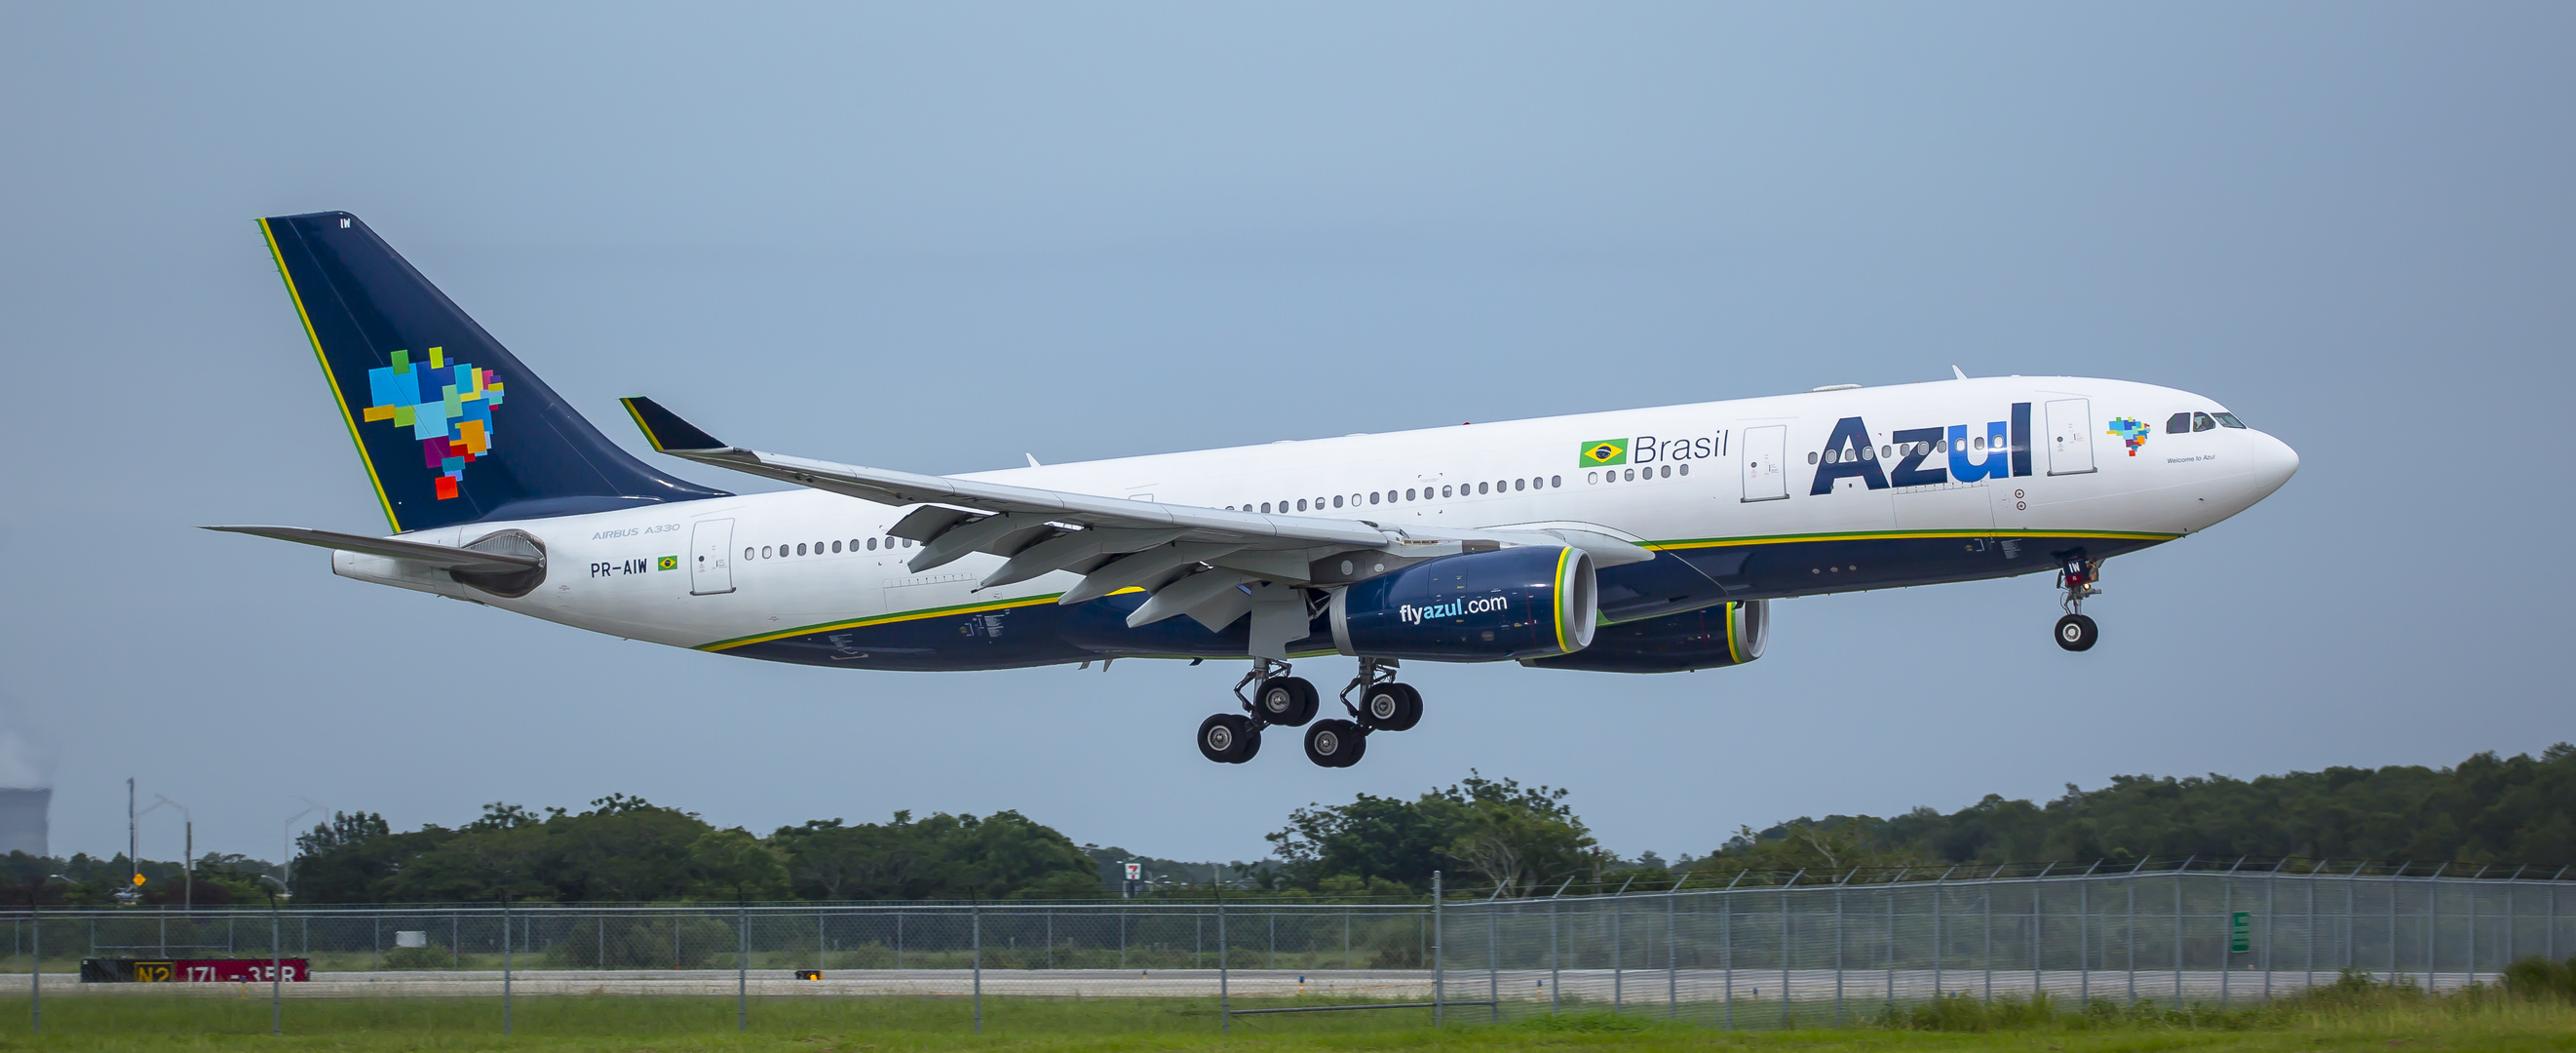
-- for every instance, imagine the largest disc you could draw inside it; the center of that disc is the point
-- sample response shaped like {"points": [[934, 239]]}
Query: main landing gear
{"points": [[1288, 701], [2078, 577]]}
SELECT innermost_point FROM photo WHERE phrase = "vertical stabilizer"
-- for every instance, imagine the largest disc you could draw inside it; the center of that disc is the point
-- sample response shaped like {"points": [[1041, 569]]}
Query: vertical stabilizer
{"points": [[451, 427]]}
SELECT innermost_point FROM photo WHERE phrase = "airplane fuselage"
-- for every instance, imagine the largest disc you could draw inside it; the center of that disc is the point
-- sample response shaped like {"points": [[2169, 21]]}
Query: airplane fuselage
{"points": [[1760, 498]]}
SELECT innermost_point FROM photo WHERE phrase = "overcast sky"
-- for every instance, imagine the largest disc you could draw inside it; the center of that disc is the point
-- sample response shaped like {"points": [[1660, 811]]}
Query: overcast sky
{"points": [[938, 237]]}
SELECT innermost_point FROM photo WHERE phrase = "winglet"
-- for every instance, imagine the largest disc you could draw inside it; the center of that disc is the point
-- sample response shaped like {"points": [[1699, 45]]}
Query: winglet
{"points": [[665, 430]]}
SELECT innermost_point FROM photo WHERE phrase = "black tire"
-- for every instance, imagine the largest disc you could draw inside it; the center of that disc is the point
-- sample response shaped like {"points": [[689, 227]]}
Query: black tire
{"points": [[1228, 738], [1391, 707], [2076, 632], [1335, 743], [1287, 701]]}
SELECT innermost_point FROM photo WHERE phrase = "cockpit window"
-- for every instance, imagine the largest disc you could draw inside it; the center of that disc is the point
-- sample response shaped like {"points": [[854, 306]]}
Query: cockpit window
{"points": [[2201, 422], [2228, 420], [2178, 424]]}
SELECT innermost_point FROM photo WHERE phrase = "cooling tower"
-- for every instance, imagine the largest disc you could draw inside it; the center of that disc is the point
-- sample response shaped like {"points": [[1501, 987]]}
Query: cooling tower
{"points": [[22, 820]]}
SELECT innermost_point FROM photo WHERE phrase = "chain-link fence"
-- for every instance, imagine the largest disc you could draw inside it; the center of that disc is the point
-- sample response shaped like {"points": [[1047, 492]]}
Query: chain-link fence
{"points": [[1798, 951]]}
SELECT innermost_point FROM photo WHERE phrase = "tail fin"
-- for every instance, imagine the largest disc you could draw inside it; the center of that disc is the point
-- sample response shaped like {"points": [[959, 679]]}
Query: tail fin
{"points": [[452, 429]]}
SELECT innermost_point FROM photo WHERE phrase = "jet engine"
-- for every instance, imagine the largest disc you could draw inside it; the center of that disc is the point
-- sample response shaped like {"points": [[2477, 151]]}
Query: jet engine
{"points": [[1723, 635], [1521, 602]]}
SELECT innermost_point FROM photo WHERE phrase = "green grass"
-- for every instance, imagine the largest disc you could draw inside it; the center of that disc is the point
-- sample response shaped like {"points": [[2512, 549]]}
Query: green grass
{"points": [[2348, 1018]]}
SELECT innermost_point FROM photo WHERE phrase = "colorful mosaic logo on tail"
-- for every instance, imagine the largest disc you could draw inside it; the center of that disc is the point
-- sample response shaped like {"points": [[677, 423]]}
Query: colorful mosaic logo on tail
{"points": [[448, 407], [2132, 433]]}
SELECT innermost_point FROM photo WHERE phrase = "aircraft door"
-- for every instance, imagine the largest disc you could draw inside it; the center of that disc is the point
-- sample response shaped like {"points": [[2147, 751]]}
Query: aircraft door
{"points": [[2070, 436], [711, 557], [1766, 456]]}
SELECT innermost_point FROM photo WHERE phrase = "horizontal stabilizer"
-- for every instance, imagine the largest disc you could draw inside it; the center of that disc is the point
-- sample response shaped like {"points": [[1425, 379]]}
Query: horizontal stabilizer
{"points": [[443, 557]]}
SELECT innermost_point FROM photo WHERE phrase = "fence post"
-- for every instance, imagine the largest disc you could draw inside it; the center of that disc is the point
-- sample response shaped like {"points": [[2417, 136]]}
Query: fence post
{"points": [[2130, 886], [1788, 945], [1838, 952], [822, 944], [1672, 951], [2432, 923], [2270, 881], [742, 966], [1987, 953], [2311, 981], [2084, 939], [1224, 993], [1439, 993], [1891, 942], [1940, 948], [505, 963], [1618, 956], [1726, 943], [1555, 969], [2227, 950], [1122, 937], [975, 928], [1494, 957]]}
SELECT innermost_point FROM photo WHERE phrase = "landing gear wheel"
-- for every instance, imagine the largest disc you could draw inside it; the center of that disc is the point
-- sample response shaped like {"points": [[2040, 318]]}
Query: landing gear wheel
{"points": [[2075, 632], [1288, 701], [1391, 707], [1229, 738], [1335, 743]]}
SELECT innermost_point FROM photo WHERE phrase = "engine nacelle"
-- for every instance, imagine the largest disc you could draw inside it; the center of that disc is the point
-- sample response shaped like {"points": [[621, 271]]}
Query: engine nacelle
{"points": [[1723, 635], [1522, 602]]}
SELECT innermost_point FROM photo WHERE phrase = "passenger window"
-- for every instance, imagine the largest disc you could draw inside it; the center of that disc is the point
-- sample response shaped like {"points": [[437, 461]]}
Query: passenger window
{"points": [[1632, 475], [1685, 469], [1976, 442], [1408, 494], [2201, 422], [2178, 424], [836, 547], [1556, 480], [1337, 500], [1668, 471], [1373, 496], [1942, 446], [872, 544], [907, 542], [1592, 477], [2228, 420], [1811, 457], [1444, 491], [746, 553], [764, 552], [1520, 484], [1484, 488]]}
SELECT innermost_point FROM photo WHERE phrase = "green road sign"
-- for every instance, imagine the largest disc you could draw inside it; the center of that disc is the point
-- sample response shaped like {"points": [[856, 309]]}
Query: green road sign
{"points": [[2240, 932]]}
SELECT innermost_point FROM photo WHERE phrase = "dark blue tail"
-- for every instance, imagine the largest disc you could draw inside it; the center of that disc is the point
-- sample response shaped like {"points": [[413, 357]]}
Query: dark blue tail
{"points": [[451, 427]]}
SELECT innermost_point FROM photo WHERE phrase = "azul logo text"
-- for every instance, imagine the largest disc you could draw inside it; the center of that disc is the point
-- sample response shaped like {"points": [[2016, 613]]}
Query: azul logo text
{"points": [[1996, 450], [1413, 615]]}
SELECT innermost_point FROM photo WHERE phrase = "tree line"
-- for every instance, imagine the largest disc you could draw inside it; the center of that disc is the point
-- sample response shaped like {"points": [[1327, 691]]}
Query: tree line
{"points": [[1488, 836]]}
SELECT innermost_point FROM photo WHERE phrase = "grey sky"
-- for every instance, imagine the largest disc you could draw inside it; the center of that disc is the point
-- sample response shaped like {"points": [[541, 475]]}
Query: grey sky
{"points": [[937, 237]]}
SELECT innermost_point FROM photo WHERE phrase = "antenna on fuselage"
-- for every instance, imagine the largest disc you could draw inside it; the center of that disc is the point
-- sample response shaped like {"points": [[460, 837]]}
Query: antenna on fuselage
{"points": [[1954, 371]]}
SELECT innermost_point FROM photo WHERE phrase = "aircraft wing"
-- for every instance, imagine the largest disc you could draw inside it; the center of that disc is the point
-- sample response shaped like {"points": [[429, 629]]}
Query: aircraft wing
{"points": [[1204, 562]]}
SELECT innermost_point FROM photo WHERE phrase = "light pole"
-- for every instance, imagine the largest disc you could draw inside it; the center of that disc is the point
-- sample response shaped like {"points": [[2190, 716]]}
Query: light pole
{"points": [[276, 955], [285, 837], [187, 850], [36, 964]]}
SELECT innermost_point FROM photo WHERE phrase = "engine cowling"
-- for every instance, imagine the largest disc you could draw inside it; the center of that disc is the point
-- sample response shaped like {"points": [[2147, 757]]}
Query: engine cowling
{"points": [[1723, 635], [1523, 602]]}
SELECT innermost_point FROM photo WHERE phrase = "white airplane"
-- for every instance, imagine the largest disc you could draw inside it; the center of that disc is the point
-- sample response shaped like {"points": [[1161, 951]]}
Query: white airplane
{"points": [[1632, 541]]}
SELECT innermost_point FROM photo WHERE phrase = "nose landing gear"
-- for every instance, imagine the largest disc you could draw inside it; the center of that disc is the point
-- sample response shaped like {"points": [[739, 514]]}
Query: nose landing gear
{"points": [[2078, 577]]}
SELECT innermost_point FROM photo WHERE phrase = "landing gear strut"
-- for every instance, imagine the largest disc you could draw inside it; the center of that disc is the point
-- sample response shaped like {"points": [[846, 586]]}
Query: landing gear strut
{"points": [[1277, 698], [2078, 577]]}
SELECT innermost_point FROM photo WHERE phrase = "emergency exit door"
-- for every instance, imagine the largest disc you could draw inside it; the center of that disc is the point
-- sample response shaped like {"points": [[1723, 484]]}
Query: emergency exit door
{"points": [[2070, 436], [1766, 455], [711, 557]]}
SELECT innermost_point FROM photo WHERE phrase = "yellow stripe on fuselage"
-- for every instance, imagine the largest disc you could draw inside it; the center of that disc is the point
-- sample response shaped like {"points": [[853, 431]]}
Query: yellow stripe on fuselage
{"points": [[888, 619], [1903, 535], [337, 399]]}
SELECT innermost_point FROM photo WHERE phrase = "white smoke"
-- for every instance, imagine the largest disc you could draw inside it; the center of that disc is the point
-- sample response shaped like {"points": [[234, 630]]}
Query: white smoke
{"points": [[25, 764]]}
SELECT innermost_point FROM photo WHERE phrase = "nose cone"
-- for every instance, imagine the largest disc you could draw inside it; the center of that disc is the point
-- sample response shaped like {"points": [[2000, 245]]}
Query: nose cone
{"points": [[2274, 463]]}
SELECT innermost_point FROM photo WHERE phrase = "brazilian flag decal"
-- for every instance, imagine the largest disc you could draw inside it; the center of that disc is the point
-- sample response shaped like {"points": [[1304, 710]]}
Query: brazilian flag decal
{"points": [[1599, 452], [668, 563]]}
